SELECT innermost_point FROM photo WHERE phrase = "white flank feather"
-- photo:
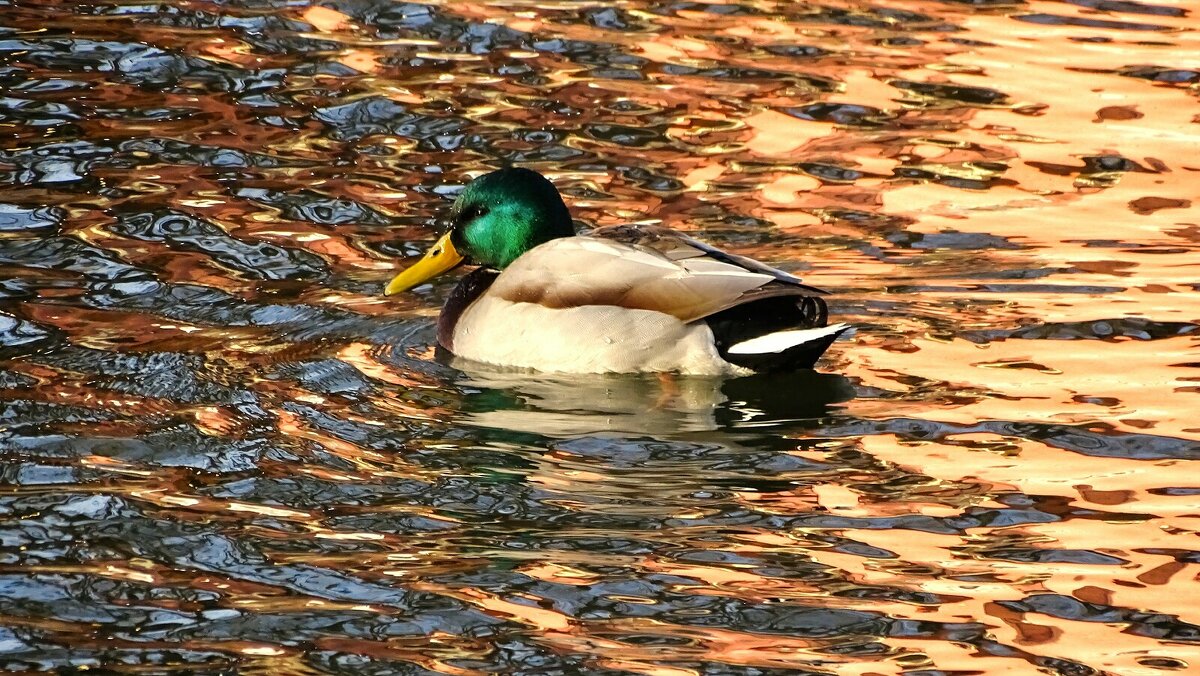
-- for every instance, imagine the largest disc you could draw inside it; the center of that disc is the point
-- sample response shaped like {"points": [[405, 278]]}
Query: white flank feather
{"points": [[774, 343]]}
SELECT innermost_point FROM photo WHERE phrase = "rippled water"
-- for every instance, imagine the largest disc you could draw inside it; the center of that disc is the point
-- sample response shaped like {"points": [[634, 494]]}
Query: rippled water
{"points": [[224, 451]]}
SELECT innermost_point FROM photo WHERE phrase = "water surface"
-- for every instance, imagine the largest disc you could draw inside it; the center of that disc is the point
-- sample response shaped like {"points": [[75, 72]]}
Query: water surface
{"points": [[223, 451]]}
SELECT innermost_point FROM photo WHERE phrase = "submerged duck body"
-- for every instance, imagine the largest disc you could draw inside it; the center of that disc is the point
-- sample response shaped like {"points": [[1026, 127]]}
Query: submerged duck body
{"points": [[620, 299]]}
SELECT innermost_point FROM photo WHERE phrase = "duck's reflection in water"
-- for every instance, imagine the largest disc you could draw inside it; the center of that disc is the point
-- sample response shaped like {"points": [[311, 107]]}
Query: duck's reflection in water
{"points": [[564, 405]]}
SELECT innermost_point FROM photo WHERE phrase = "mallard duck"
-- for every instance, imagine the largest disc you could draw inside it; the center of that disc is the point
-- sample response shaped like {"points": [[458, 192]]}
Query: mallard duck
{"points": [[619, 299]]}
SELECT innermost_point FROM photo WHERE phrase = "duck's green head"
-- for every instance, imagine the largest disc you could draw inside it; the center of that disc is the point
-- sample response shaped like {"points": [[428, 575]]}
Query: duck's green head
{"points": [[498, 217]]}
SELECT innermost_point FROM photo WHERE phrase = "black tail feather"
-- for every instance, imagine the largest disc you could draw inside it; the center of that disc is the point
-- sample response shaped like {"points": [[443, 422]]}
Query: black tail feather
{"points": [[768, 315]]}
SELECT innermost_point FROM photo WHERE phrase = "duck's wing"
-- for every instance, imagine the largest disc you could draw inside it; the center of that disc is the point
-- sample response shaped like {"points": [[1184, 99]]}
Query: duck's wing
{"points": [[644, 268], [678, 246]]}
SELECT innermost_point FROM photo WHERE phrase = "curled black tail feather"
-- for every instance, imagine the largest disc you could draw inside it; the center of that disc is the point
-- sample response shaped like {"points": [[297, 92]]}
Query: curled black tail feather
{"points": [[768, 315]]}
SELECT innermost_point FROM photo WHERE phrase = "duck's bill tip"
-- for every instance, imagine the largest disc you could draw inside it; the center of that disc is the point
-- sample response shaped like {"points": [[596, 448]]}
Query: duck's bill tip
{"points": [[442, 256]]}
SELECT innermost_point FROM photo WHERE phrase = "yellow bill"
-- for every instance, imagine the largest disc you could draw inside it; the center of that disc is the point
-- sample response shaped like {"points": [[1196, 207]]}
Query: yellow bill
{"points": [[441, 257]]}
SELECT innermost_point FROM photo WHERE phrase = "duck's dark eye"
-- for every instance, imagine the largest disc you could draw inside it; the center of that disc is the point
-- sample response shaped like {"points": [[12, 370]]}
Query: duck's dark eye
{"points": [[470, 213]]}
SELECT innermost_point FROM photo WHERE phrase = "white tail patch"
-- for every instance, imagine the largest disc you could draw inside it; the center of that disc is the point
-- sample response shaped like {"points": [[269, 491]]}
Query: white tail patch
{"points": [[774, 343]]}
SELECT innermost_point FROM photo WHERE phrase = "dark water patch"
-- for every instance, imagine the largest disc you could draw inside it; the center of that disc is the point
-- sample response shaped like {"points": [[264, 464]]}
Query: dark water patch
{"points": [[11, 380], [317, 208], [1113, 244], [968, 176], [25, 415], [198, 547], [973, 518], [143, 65], [1099, 442], [1175, 490], [1088, 440], [829, 172], [800, 51], [355, 432], [613, 18], [1137, 328], [523, 655], [29, 473], [1128, 7], [258, 260], [311, 493], [1034, 273], [653, 597], [145, 114], [626, 136], [872, 17], [171, 151], [1162, 662], [179, 446], [899, 42], [271, 33], [970, 42], [134, 62], [840, 113], [1154, 625], [1049, 288], [90, 600], [296, 629], [378, 115], [66, 253], [453, 33], [950, 240], [1096, 164], [953, 93], [714, 8], [1037, 555], [17, 80], [888, 594], [1177, 555], [57, 164], [650, 180], [79, 598], [1162, 74], [392, 521], [35, 113], [51, 655], [207, 305], [1108, 24], [19, 337], [815, 82], [16, 289], [49, 525], [329, 376], [635, 452], [650, 598], [343, 663], [995, 288], [547, 153], [489, 500], [861, 218], [185, 378]]}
